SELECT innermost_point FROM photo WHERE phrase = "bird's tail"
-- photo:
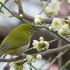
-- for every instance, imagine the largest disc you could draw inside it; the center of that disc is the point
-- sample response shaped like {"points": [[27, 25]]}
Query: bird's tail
{"points": [[2, 50]]}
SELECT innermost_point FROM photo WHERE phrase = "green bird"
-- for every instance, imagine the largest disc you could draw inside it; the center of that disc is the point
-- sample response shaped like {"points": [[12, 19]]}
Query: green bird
{"points": [[18, 40]]}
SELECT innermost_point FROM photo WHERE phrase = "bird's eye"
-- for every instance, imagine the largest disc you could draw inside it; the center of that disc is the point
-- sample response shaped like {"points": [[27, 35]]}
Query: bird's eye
{"points": [[30, 31]]}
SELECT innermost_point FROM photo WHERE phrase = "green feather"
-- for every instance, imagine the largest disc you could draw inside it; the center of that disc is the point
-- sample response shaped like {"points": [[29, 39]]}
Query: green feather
{"points": [[18, 37]]}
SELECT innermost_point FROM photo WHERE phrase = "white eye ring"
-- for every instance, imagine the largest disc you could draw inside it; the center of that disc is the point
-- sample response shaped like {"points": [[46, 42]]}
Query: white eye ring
{"points": [[30, 31]]}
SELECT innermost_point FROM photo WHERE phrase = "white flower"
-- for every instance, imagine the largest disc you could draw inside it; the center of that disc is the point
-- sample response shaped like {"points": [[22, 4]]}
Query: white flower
{"points": [[64, 29], [30, 58], [33, 58], [46, 44], [40, 45], [66, 26], [50, 12], [35, 43], [52, 8], [38, 19], [57, 24], [69, 17], [38, 56], [69, 1], [61, 32], [41, 38], [2, 1], [20, 15]]}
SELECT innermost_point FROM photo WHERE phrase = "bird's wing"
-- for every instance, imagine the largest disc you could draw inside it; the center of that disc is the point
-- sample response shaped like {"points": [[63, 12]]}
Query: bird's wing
{"points": [[11, 45]]}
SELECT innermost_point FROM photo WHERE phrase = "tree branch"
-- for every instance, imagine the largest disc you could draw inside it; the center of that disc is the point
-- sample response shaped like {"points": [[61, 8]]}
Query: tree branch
{"points": [[20, 8], [60, 59], [13, 13], [49, 51], [4, 3], [57, 57], [60, 36], [65, 65]]}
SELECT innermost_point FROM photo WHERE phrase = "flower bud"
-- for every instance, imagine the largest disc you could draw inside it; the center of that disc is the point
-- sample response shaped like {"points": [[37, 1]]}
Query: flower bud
{"points": [[20, 15], [38, 56], [35, 43], [41, 38], [30, 58], [38, 19]]}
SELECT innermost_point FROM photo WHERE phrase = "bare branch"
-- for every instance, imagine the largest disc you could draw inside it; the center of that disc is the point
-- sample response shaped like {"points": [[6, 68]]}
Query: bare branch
{"points": [[13, 13], [65, 65], [60, 59], [49, 51], [60, 36], [20, 8], [57, 57], [4, 3]]}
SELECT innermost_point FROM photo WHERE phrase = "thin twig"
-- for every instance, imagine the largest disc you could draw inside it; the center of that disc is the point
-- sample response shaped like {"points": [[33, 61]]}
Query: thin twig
{"points": [[41, 3], [65, 65], [60, 36], [20, 8], [4, 3], [60, 59], [32, 66], [56, 50], [57, 57], [13, 13], [47, 2], [11, 59], [7, 67]]}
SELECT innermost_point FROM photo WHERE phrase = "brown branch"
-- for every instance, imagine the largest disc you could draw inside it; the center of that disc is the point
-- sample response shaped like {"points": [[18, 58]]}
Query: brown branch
{"points": [[13, 13], [27, 22], [28, 17], [60, 59], [56, 50], [65, 65], [49, 51], [47, 2], [57, 57], [31, 18], [12, 59], [60, 36], [46, 20], [20, 8]]}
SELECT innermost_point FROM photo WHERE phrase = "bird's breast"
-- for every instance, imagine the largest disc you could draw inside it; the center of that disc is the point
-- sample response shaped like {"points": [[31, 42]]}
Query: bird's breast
{"points": [[18, 51], [22, 49]]}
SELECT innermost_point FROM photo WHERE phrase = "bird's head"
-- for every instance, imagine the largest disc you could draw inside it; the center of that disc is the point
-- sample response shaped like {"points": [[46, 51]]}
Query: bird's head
{"points": [[28, 29]]}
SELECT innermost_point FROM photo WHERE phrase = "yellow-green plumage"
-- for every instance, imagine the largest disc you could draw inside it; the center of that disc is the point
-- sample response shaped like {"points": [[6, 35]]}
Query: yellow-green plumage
{"points": [[17, 41]]}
